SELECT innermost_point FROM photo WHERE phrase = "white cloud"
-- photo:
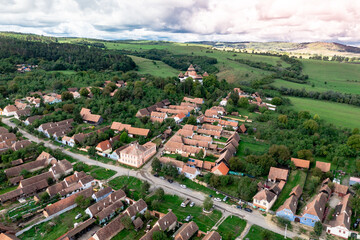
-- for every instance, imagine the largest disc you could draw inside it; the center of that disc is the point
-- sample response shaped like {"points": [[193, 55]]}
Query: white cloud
{"points": [[187, 20]]}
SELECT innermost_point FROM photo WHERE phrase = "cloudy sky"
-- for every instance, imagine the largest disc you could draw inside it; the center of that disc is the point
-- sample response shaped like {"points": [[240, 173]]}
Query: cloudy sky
{"points": [[187, 20]]}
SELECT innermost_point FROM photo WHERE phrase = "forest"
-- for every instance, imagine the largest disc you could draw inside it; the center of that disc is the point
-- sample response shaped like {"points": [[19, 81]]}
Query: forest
{"points": [[60, 56]]}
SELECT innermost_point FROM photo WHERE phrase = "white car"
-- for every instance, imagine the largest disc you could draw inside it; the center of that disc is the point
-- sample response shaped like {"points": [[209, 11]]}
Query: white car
{"points": [[217, 199], [78, 216], [192, 204], [182, 186]]}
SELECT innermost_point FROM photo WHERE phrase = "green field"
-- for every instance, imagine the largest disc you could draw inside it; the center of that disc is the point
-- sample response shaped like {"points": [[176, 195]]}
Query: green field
{"points": [[255, 147], [156, 68], [339, 114], [132, 183], [204, 221], [297, 177], [327, 76], [257, 233], [97, 172], [232, 227]]}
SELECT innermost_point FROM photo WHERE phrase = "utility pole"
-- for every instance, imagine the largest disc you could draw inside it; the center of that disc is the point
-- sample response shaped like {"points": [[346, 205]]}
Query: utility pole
{"points": [[285, 230]]}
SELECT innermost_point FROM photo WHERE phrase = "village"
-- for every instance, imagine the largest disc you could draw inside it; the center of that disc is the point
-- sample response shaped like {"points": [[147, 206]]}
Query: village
{"points": [[196, 142]]}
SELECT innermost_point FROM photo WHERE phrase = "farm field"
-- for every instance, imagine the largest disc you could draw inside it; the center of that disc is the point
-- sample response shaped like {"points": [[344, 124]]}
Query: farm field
{"points": [[297, 177], [156, 68], [327, 76], [232, 227], [339, 114]]}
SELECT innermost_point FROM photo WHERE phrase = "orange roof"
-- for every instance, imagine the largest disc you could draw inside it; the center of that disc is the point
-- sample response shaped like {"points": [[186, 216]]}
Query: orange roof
{"points": [[301, 163], [221, 168], [104, 145], [139, 131], [323, 166]]}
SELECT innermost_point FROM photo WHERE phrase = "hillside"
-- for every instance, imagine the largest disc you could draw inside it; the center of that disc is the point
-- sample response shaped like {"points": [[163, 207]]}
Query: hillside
{"points": [[306, 49]]}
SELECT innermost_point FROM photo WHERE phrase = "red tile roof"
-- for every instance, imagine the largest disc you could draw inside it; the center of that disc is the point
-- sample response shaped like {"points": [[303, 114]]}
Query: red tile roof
{"points": [[301, 163]]}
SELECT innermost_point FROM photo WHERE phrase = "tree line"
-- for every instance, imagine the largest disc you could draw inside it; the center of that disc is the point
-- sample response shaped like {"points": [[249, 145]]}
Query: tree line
{"points": [[60, 56]]}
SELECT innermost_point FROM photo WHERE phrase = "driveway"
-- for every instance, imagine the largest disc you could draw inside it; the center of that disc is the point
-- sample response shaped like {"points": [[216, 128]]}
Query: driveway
{"points": [[170, 188]]}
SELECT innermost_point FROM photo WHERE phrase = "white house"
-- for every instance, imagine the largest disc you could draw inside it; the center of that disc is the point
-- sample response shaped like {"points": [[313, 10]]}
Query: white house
{"points": [[340, 225], [264, 199], [223, 102]]}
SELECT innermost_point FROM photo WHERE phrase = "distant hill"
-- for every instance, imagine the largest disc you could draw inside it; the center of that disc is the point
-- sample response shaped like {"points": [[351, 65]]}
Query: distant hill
{"points": [[309, 48]]}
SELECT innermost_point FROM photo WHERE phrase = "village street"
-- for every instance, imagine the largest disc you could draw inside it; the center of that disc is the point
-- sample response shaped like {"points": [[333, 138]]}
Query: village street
{"points": [[170, 188]]}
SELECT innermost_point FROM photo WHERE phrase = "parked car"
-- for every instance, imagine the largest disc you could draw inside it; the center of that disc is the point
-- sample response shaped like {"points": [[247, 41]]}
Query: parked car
{"points": [[78, 216], [170, 180], [217, 199], [248, 210], [185, 202], [239, 206], [182, 186], [156, 175], [192, 204], [225, 198], [210, 196], [188, 218], [162, 178]]}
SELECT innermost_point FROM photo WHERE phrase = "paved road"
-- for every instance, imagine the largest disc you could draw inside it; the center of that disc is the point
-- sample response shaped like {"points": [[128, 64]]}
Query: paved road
{"points": [[144, 174]]}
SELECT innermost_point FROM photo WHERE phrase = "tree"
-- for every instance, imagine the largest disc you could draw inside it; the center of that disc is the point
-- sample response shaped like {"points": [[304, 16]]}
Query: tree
{"points": [[170, 89], [92, 151], [82, 202], [126, 221], [354, 142], [156, 165], [200, 154], [69, 107], [145, 187], [311, 125], [159, 193], [318, 228], [276, 101], [305, 154], [44, 197], [2, 176], [280, 153], [208, 203], [84, 92], [355, 205], [191, 120], [243, 103], [283, 119], [66, 96], [124, 137]]}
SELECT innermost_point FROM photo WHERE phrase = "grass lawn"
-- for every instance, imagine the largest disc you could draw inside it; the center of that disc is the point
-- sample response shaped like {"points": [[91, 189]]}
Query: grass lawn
{"points": [[232, 227], [204, 221], [342, 115], [102, 173], [97, 172], [199, 187], [257, 233], [54, 228], [156, 68], [5, 190], [255, 147], [157, 141], [133, 184], [296, 178]]}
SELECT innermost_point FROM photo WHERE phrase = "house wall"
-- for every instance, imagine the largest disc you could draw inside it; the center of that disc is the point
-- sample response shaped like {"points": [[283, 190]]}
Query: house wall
{"points": [[338, 231], [264, 204], [309, 220], [286, 213]]}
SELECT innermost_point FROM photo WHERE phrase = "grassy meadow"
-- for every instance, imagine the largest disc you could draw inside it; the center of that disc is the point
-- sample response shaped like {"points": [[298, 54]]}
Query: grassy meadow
{"points": [[156, 68], [341, 115]]}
